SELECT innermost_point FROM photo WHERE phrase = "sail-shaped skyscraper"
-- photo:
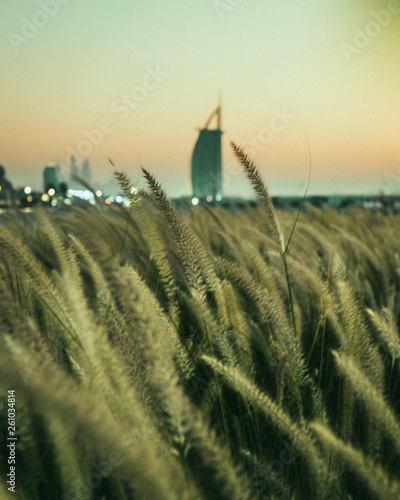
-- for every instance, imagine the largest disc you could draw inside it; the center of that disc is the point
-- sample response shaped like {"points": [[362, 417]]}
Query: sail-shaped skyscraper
{"points": [[206, 165]]}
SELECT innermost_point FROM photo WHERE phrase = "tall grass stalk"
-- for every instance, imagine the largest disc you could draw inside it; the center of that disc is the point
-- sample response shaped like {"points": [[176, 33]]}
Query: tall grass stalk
{"points": [[164, 352]]}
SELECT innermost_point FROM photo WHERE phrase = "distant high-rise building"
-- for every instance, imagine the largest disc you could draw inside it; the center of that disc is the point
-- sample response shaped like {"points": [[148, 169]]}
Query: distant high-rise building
{"points": [[52, 178], [86, 172], [206, 165], [73, 167], [6, 188]]}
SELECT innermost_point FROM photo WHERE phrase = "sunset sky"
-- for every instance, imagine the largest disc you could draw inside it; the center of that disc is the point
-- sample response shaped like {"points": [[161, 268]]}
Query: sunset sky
{"points": [[149, 74]]}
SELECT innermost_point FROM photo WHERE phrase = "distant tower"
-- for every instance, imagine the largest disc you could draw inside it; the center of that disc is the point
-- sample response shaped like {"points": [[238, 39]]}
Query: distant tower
{"points": [[6, 188], [206, 166], [51, 178], [73, 167], [86, 172]]}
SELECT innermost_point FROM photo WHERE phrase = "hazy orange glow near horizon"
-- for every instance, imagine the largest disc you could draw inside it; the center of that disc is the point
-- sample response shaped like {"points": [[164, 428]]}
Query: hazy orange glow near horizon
{"points": [[149, 76]]}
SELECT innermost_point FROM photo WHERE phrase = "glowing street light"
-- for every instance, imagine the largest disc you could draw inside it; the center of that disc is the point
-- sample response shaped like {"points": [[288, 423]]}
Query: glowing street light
{"points": [[195, 201], [28, 190], [51, 192]]}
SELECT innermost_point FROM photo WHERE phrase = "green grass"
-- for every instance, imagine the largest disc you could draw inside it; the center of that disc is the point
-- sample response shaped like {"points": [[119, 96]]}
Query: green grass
{"points": [[165, 355]]}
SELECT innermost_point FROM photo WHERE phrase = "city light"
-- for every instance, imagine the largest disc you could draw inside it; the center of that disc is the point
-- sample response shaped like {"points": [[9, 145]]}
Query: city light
{"points": [[45, 197], [99, 193], [118, 199], [218, 197], [83, 194], [195, 201], [209, 198], [28, 190], [29, 199], [51, 192]]}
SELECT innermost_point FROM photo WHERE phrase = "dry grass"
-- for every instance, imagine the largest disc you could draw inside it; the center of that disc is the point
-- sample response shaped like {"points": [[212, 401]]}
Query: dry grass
{"points": [[158, 354]]}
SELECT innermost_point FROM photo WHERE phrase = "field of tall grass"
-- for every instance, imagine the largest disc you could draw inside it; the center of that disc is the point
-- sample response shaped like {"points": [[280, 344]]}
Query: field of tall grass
{"points": [[205, 354]]}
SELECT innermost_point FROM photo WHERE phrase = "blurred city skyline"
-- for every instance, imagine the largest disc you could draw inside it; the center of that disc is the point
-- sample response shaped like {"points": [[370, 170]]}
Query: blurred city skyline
{"points": [[134, 82]]}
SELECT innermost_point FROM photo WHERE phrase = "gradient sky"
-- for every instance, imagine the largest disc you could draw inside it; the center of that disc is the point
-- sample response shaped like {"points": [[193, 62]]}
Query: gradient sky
{"points": [[266, 56]]}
